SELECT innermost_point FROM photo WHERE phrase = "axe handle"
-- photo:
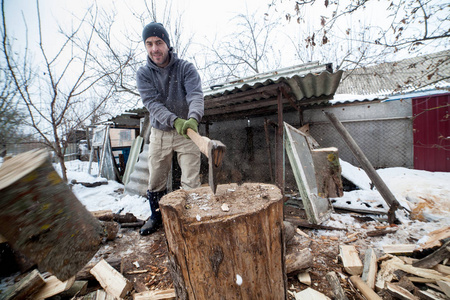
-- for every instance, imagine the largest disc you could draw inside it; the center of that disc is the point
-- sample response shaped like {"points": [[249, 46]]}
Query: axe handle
{"points": [[201, 141]]}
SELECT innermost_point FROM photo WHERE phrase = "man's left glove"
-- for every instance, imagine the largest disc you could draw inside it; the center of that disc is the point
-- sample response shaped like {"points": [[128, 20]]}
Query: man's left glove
{"points": [[178, 124], [191, 123]]}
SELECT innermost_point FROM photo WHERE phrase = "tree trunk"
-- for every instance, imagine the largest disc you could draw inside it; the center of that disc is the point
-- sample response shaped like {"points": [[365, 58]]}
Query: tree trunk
{"points": [[226, 246], [43, 219], [328, 172]]}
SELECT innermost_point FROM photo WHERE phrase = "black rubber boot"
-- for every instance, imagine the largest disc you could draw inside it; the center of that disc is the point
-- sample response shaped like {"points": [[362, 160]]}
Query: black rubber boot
{"points": [[155, 220]]}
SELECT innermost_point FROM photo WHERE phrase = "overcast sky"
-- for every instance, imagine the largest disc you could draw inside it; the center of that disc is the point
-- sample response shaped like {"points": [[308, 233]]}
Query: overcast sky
{"points": [[206, 20], [202, 17]]}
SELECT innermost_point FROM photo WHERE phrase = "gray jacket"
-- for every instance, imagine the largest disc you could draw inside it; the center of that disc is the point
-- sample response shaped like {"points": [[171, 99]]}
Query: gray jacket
{"points": [[170, 92]]}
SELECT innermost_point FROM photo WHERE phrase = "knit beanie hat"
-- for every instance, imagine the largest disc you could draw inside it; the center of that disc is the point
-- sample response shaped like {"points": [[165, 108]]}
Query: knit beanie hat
{"points": [[156, 29]]}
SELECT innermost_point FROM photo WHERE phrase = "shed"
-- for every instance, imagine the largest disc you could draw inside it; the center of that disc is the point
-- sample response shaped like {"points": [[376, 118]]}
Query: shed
{"points": [[244, 115]]}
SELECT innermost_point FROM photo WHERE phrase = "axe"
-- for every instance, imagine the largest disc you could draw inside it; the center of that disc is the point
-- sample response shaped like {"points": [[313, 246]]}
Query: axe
{"points": [[214, 151]]}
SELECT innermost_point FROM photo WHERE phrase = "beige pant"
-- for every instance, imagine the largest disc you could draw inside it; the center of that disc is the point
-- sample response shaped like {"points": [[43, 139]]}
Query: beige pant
{"points": [[160, 153]]}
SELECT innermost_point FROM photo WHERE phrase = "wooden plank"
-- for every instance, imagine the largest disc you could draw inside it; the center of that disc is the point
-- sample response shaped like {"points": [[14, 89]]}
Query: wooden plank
{"points": [[435, 287], [399, 248], [302, 233], [53, 286], [310, 294], [99, 295], [78, 288], [369, 274], [112, 281], [350, 259], [443, 269], [431, 295], [421, 279], [26, 287], [425, 273], [364, 288], [435, 238], [304, 278], [85, 273], [408, 260], [335, 284], [386, 273], [156, 295], [399, 293], [445, 286], [318, 209]]}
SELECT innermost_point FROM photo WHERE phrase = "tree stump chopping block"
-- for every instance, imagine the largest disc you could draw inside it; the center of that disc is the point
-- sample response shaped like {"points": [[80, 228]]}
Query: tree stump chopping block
{"points": [[43, 219], [226, 246]]}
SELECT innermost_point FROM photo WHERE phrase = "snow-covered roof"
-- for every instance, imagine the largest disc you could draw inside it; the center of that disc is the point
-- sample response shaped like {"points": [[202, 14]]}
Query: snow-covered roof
{"points": [[423, 73]]}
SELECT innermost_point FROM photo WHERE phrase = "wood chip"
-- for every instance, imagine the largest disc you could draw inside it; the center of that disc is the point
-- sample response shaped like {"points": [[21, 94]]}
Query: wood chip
{"points": [[225, 207], [350, 259]]}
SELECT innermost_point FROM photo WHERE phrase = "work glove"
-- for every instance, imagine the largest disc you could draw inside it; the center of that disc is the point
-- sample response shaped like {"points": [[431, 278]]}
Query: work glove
{"points": [[191, 123], [178, 124]]}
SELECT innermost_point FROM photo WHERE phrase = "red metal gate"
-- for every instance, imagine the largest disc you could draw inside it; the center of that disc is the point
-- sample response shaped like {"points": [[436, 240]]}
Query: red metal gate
{"points": [[431, 131]]}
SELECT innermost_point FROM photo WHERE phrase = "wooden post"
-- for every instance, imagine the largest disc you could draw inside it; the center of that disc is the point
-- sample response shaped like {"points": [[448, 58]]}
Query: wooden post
{"points": [[367, 167], [43, 219], [279, 146], [232, 251]]}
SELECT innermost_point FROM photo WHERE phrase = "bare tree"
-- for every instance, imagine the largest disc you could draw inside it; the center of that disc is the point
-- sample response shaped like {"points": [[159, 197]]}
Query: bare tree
{"points": [[400, 29], [56, 91], [12, 118], [248, 50]]}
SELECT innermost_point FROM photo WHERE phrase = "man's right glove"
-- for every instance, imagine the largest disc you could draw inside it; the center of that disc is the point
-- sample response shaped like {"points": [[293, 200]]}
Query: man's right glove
{"points": [[191, 123], [178, 124]]}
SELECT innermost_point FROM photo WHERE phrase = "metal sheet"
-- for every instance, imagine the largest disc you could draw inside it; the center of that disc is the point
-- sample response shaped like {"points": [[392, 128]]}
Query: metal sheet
{"points": [[431, 130], [318, 209]]}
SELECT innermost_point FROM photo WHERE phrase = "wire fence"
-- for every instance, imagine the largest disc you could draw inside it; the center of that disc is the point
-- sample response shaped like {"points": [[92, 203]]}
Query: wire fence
{"points": [[73, 151]]}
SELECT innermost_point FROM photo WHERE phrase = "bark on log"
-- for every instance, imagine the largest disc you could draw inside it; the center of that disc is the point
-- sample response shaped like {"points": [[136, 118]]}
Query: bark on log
{"points": [[111, 229], [298, 260], [328, 172], [434, 258], [25, 288], [238, 254], [335, 284], [126, 218], [43, 219]]}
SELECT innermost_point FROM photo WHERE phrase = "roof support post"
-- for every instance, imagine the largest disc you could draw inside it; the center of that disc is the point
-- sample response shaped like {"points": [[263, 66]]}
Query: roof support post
{"points": [[279, 144]]}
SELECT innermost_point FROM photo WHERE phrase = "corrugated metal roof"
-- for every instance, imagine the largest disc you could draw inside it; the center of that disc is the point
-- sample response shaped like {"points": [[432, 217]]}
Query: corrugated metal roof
{"points": [[301, 78], [304, 84], [431, 71]]}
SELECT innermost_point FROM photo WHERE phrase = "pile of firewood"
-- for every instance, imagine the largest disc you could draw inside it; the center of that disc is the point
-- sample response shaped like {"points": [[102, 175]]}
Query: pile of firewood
{"points": [[114, 285], [396, 274], [36, 285]]}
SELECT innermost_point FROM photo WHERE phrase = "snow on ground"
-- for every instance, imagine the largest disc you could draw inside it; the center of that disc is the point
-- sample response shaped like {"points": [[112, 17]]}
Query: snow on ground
{"points": [[103, 197], [425, 195]]}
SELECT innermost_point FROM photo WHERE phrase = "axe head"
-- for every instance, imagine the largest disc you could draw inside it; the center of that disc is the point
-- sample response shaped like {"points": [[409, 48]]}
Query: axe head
{"points": [[216, 151]]}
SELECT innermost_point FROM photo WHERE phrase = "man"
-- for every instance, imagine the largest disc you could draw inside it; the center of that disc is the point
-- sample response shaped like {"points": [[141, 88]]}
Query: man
{"points": [[171, 90]]}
